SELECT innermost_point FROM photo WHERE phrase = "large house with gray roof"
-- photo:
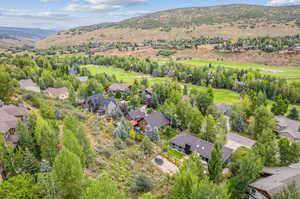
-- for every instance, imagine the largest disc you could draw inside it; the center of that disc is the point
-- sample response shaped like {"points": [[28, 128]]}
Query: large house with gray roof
{"points": [[187, 143], [274, 180], [10, 115], [156, 119], [100, 105], [288, 128]]}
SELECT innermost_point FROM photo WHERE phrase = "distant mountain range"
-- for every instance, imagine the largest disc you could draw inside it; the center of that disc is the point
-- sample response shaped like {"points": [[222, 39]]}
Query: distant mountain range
{"points": [[232, 21], [12, 36]]}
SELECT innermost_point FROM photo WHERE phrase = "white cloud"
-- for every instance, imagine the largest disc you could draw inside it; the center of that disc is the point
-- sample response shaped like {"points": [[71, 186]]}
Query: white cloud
{"points": [[34, 15], [102, 5], [97, 7], [283, 2], [117, 2]]}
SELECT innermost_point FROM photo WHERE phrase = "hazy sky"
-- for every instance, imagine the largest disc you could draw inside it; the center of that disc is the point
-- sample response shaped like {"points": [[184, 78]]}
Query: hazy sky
{"points": [[62, 14]]}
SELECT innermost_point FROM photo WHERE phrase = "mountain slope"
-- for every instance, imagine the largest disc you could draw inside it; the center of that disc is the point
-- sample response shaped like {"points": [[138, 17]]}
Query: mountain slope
{"points": [[11, 36], [234, 21]]}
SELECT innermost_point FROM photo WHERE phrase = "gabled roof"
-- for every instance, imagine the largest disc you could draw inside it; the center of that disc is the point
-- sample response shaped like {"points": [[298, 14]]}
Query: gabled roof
{"points": [[27, 83], [7, 121], [57, 91], [279, 178], [203, 147], [14, 110], [136, 114], [123, 87], [99, 101], [156, 119], [286, 125]]}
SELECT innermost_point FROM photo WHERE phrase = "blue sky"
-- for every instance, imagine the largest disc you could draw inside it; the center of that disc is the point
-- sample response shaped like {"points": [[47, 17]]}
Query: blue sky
{"points": [[62, 14]]}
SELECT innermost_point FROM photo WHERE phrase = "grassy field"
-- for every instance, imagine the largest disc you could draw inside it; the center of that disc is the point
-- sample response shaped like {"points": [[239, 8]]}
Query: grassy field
{"points": [[221, 96], [283, 72]]}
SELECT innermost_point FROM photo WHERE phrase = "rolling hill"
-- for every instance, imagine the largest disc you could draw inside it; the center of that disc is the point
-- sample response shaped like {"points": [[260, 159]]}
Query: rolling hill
{"points": [[11, 36], [232, 21]]}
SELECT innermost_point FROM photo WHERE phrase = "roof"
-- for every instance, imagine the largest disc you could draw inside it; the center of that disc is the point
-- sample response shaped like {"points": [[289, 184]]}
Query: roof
{"points": [[156, 119], [137, 114], [279, 178], [234, 141], [203, 147], [83, 79], [57, 91], [286, 125], [224, 108], [27, 83], [119, 87], [99, 101], [7, 121], [14, 110]]}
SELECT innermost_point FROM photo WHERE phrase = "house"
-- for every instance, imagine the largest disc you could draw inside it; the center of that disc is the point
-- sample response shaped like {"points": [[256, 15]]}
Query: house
{"points": [[235, 141], [156, 119], [8, 126], [8, 123], [57, 93], [224, 108], [288, 128], [136, 115], [273, 180], [29, 85], [83, 79], [16, 111], [100, 105], [119, 87], [188, 143]]}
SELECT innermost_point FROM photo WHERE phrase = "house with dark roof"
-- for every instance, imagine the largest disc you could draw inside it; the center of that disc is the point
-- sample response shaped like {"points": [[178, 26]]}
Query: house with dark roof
{"points": [[187, 143], [288, 128], [235, 141], [273, 181], [29, 85], [137, 114], [156, 119], [119, 87], [100, 105], [224, 108], [57, 93]]}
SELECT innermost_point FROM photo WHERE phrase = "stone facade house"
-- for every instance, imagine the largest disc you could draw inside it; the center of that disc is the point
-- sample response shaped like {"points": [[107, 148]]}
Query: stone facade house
{"points": [[100, 105]]}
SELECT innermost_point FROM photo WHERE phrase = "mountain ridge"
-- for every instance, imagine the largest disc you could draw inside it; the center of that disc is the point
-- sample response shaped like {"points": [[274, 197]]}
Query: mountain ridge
{"points": [[16, 36], [234, 21]]}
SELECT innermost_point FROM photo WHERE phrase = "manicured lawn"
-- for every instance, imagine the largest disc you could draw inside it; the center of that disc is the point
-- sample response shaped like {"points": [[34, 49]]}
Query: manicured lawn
{"points": [[221, 96], [284, 72], [175, 153], [122, 75]]}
